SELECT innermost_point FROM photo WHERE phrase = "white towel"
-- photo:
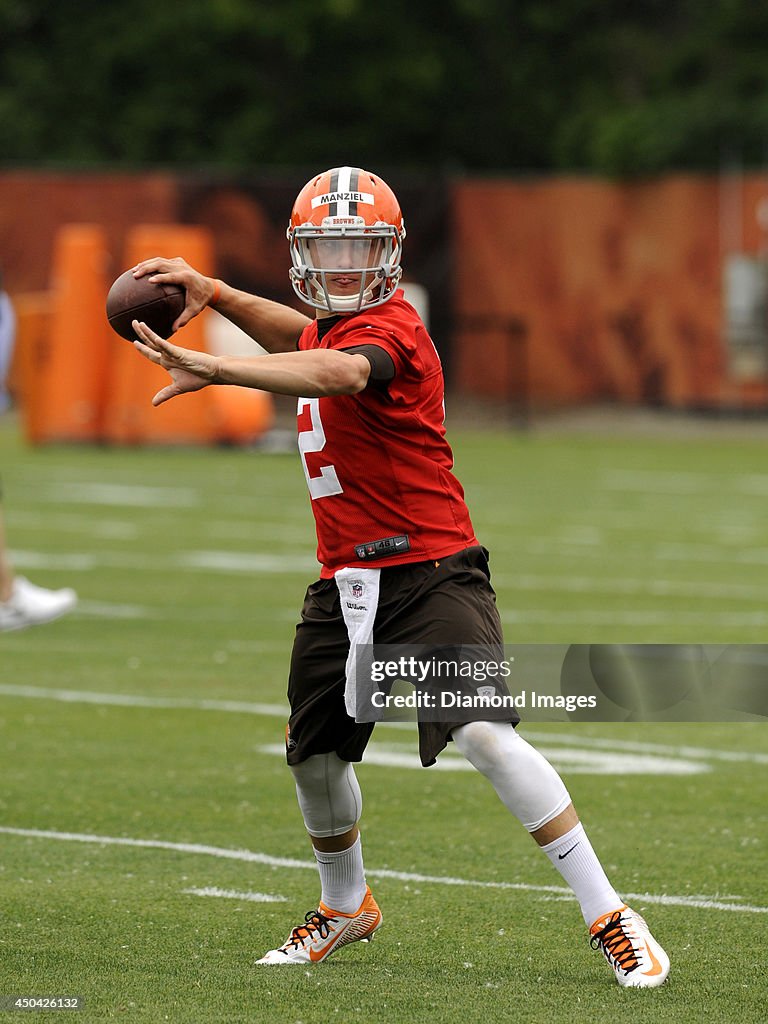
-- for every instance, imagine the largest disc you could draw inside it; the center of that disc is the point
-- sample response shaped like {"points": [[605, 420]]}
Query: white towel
{"points": [[359, 593]]}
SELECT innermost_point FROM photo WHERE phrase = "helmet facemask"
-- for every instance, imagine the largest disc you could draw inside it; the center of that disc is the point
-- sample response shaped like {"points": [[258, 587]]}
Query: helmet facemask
{"points": [[344, 265]]}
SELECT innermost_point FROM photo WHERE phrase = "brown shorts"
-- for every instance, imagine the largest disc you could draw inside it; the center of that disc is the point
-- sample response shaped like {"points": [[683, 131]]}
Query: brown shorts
{"points": [[442, 603]]}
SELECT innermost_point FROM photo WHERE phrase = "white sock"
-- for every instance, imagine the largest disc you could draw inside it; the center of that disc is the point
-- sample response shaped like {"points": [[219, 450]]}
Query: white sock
{"points": [[577, 862], [342, 878]]}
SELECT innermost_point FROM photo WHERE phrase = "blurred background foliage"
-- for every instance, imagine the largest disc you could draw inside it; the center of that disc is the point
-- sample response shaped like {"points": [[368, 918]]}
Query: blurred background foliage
{"points": [[463, 85]]}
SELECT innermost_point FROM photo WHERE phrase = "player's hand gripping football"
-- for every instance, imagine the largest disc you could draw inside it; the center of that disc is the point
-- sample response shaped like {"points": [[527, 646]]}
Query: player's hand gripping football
{"points": [[189, 370], [199, 289]]}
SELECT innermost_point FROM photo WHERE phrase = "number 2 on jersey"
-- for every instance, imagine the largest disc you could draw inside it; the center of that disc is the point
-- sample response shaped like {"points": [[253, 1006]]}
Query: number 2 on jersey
{"points": [[312, 441]]}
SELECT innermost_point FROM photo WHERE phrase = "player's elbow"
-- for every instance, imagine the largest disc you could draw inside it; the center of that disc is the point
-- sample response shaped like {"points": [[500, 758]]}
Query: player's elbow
{"points": [[359, 378], [350, 374]]}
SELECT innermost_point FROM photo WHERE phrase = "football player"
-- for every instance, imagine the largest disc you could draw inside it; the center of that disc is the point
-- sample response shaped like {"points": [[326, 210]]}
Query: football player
{"points": [[400, 560]]}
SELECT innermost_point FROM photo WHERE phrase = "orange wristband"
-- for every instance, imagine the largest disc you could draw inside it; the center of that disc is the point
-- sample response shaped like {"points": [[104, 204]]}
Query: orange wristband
{"points": [[216, 292]]}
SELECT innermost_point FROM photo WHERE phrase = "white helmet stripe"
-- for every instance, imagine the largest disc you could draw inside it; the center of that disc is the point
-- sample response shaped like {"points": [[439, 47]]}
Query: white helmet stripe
{"points": [[345, 178]]}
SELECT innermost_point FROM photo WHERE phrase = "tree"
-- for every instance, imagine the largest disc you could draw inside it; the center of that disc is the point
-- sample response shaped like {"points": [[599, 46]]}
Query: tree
{"points": [[471, 85]]}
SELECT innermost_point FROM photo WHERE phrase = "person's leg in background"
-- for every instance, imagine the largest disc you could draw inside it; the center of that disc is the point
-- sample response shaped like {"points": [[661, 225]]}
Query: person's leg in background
{"points": [[23, 603]]}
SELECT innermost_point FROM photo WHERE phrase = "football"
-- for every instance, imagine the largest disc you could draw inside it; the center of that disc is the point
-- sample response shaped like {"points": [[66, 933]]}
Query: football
{"points": [[136, 298]]}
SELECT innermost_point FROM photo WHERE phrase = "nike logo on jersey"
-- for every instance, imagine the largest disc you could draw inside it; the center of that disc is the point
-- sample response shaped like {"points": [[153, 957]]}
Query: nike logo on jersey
{"points": [[562, 856], [382, 548]]}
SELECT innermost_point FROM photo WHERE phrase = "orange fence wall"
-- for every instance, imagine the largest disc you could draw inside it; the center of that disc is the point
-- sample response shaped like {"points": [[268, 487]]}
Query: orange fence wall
{"points": [[78, 381], [563, 290], [63, 239], [34, 205], [576, 290]]}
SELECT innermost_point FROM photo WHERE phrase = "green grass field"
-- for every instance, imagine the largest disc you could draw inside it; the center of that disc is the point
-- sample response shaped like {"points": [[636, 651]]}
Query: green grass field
{"points": [[138, 736]]}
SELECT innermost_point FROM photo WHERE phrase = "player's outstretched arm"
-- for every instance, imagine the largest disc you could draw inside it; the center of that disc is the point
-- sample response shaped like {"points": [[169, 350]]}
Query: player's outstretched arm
{"points": [[273, 325], [310, 374], [189, 370]]}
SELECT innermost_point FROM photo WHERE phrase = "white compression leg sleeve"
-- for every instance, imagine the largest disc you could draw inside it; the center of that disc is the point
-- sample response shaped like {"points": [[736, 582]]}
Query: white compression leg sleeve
{"points": [[329, 794], [525, 781]]}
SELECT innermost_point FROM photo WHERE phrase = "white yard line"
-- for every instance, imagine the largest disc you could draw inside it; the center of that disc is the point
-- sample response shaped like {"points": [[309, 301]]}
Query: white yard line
{"points": [[582, 616], [138, 701], [712, 754], [674, 481], [699, 901], [224, 562], [135, 495], [111, 610], [573, 739], [246, 561], [652, 587], [115, 529], [290, 562], [684, 551], [569, 760], [65, 561], [274, 533], [234, 894]]}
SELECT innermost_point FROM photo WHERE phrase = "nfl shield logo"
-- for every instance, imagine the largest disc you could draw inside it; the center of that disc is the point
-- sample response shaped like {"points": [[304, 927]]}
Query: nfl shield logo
{"points": [[357, 588]]}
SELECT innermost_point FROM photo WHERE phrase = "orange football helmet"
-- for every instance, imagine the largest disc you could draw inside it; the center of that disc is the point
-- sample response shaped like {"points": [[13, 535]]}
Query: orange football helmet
{"points": [[346, 239]]}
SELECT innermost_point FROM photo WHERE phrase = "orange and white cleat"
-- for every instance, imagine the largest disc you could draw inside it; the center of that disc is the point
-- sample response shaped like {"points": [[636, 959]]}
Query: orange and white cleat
{"points": [[324, 931], [635, 956]]}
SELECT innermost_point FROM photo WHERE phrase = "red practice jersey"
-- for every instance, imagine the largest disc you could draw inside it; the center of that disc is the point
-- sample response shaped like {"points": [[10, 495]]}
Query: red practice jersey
{"points": [[377, 463]]}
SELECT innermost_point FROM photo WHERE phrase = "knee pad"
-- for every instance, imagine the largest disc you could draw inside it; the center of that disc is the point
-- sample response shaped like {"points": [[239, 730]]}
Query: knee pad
{"points": [[525, 781], [329, 794]]}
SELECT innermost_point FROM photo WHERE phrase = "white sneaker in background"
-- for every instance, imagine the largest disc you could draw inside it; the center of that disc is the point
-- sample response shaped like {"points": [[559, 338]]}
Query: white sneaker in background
{"points": [[30, 605]]}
